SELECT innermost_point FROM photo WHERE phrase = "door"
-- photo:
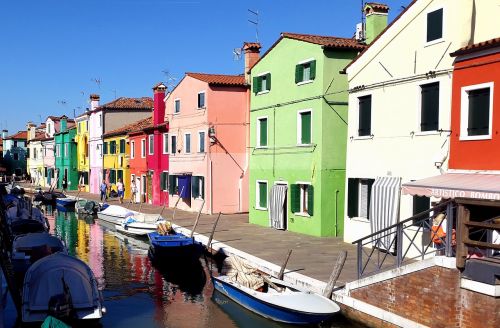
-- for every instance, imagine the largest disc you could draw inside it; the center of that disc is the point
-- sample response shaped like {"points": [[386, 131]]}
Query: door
{"points": [[278, 211], [143, 188]]}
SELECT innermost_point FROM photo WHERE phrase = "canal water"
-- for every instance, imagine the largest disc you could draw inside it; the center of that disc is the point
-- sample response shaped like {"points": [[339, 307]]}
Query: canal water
{"points": [[137, 294]]}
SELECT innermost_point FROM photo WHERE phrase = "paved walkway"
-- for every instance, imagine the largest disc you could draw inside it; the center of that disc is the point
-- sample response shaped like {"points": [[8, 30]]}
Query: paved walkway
{"points": [[312, 256]]}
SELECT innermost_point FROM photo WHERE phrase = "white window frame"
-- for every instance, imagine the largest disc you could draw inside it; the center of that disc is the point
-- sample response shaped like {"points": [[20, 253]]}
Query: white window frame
{"points": [[257, 195], [264, 91], [175, 102], [442, 39], [200, 141], [205, 99], [464, 111], [257, 137], [172, 150], [132, 149], [66, 149], [185, 143], [305, 61], [166, 183], [143, 148], [151, 142], [165, 143], [200, 186], [299, 127]]}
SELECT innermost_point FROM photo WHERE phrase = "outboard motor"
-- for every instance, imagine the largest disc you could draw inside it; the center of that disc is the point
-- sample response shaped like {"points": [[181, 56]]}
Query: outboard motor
{"points": [[61, 305]]}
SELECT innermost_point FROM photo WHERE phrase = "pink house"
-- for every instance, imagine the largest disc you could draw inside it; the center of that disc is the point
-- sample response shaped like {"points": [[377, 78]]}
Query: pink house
{"points": [[208, 122]]}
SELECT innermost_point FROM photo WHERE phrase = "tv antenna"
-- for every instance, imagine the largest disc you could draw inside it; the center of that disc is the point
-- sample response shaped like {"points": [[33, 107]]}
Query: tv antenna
{"points": [[255, 21], [62, 102], [237, 53], [169, 79], [97, 81]]}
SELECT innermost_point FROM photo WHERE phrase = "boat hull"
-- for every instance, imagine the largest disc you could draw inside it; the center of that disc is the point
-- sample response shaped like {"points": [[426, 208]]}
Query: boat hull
{"points": [[268, 310], [177, 246], [134, 230]]}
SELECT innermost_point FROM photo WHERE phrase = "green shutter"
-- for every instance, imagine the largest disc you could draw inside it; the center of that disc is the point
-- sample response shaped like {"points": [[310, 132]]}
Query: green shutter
{"points": [[257, 84], [120, 174], [299, 73], [202, 179], [305, 128], [105, 148], [268, 81], [312, 66], [171, 184], [194, 187], [352, 197], [310, 200], [295, 198], [122, 146], [263, 132], [262, 194]]}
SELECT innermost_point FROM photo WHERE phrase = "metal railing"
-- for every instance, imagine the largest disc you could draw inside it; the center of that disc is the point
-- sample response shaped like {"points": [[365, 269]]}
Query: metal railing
{"points": [[415, 238]]}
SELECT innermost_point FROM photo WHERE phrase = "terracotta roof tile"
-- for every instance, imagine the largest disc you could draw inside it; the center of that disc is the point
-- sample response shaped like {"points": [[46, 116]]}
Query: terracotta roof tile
{"points": [[379, 6], [219, 79], [129, 103], [140, 126], [326, 41], [135, 126], [58, 118], [251, 45], [39, 136], [477, 47], [18, 135]]}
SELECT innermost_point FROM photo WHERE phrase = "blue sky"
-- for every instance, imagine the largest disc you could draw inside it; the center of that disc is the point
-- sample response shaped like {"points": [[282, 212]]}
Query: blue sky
{"points": [[52, 51]]}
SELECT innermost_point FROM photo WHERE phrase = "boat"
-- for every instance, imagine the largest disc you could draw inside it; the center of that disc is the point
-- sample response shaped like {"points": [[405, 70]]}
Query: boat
{"points": [[137, 226], [83, 206], [114, 213], [270, 297], [62, 286], [168, 244], [66, 201]]}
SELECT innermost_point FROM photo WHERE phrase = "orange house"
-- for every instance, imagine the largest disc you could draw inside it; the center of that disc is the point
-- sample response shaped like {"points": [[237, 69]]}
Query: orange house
{"points": [[475, 113], [137, 159]]}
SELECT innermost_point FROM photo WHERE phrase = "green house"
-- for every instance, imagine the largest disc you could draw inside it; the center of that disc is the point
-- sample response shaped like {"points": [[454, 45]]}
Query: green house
{"points": [[65, 154], [298, 134]]}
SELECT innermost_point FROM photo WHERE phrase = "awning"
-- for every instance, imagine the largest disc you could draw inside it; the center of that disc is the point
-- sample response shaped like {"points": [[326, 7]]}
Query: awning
{"points": [[456, 185]]}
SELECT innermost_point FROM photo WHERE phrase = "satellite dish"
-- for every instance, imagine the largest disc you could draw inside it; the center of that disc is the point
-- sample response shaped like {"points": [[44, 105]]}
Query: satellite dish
{"points": [[237, 53]]}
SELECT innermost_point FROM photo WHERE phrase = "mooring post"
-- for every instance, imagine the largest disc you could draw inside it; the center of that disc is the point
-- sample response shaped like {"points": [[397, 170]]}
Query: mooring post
{"points": [[176, 203], [209, 243], [281, 274], [337, 269], [197, 219]]}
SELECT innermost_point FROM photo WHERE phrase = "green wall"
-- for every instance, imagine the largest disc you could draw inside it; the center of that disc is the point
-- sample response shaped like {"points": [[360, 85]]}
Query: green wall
{"points": [[67, 161], [323, 163]]}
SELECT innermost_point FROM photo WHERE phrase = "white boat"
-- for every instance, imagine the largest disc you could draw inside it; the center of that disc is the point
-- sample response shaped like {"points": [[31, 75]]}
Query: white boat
{"points": [[139, 225], [28, 248], [63, 285], [114, 213]]}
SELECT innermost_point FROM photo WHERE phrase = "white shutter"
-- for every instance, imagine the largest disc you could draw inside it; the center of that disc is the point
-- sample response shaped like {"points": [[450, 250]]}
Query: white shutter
{"points": [[363, 198]]}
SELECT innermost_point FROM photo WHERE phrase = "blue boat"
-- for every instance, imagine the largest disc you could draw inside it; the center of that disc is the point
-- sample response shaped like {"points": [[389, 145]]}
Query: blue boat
{"points": [[173, 246], [66, 201]]}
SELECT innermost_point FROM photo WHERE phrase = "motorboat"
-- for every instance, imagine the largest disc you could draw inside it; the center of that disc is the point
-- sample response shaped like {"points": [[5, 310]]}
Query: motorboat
{"points": [[139, 225], [62, 286], [83, 206], [66, 201], [270, 297], [168, 244], [114, 213]]}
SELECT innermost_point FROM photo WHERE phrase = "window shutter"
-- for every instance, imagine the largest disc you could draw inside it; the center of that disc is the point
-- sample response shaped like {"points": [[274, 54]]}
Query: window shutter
{"points": [[194, 189], [352, 197], [171, 184], [370, 185], [262, 194], [263, 132], [429, 116], [365, 112], [479, 112], [305, 128], [313, 69], [310, 200], [299, 73], [202, 182], [256, 84], [435, 25], [268, 81], [295, 198]]}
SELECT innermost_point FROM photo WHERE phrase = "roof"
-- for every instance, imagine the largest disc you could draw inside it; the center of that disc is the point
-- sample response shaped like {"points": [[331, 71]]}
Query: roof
{"points": [[129, 103], [379, 6], [454, 185], [219, 79], [477, 47], [39, 136], [380, 34], [19, 135], [58, 118], [132, 127], [141, 125], [330, 42]]}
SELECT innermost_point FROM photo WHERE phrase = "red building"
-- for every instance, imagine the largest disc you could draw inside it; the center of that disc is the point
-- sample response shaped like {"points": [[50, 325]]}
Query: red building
{"points": [[137, 159], [475, 113]]}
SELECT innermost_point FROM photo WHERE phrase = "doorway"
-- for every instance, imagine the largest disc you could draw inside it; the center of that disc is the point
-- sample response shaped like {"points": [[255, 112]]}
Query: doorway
{"points": [[279, 195]]}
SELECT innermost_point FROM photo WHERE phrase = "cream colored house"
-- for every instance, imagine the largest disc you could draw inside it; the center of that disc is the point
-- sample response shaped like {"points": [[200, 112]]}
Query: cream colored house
{"points": [[400, 100]]}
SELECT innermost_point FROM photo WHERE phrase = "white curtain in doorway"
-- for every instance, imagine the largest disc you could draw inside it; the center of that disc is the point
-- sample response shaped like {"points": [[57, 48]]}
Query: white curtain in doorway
{"points": [[277, 206]]}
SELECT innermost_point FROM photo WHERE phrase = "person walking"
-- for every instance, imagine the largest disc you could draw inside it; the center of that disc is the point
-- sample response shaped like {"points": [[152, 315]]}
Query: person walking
{"points": [[104, 189], [133, 190], [121, 190]]}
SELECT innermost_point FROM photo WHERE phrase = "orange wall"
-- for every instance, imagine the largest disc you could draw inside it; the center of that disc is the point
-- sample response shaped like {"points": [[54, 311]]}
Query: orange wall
{"points": [[475, 154]]}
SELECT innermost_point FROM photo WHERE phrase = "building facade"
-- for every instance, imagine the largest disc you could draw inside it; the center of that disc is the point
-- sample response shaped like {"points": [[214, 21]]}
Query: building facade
{"points": [[116, 161], [14, 153], [34, 160], [65, 156], [82, 150], [137, 159]]}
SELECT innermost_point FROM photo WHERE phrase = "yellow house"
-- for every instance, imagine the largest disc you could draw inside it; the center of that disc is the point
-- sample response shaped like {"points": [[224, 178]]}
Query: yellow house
{"points": [[116, 161], [82, 150]]}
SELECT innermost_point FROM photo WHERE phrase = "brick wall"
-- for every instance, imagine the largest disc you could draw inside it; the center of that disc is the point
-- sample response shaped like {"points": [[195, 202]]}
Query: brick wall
{"points": [[433, 297]]}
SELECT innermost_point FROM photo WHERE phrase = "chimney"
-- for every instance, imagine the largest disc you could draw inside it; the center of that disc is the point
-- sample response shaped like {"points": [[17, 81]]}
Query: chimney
{"points": [[376, 20], [4, 134], [159, 105], [252, 55], [30, 127], [63, 124], [94, 101]]}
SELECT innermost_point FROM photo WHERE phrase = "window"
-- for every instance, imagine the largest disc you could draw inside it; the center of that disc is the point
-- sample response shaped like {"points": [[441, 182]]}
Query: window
{"points": [[177, 106], [58, 150], [15, 144], [151, 144], [66, 150], [262, 132], [16, 156], [132, 149], [304, 127], [173, 144], [172, 184], [305, 71], [112, 176], [100, 120], [105, 148], [301, 198], [201, 143], [197, 187], [119, 175], [79, 130], [187, 143], [435, 25], [476, 111], [112, 147], [261, 195], [201, 100], [358, 197], [429, 111], [421, 204], [164, 181], [143, 148], [262, 83], [165, 143], [365, 116]]}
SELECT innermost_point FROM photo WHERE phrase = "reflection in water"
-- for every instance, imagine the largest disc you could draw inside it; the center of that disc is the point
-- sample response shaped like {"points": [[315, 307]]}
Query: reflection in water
{"points": [[136, 293]]}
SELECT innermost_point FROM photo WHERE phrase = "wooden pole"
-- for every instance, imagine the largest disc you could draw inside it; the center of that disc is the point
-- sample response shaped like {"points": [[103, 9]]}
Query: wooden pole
{"points": [[463, 217], [175, 206], [281, 274], [209, 243], [197, 219], [163, 208], [337, 269]]}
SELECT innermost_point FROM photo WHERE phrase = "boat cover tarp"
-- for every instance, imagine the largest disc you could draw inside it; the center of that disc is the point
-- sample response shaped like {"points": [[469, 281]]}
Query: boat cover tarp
{"points": [[36, 239], [242, 272], [44, 279], [115, 210]]}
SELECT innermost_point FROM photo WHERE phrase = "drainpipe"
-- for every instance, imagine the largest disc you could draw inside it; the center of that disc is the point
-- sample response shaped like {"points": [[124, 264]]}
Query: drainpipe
{"points": [[211, 188], [336, 211]]}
